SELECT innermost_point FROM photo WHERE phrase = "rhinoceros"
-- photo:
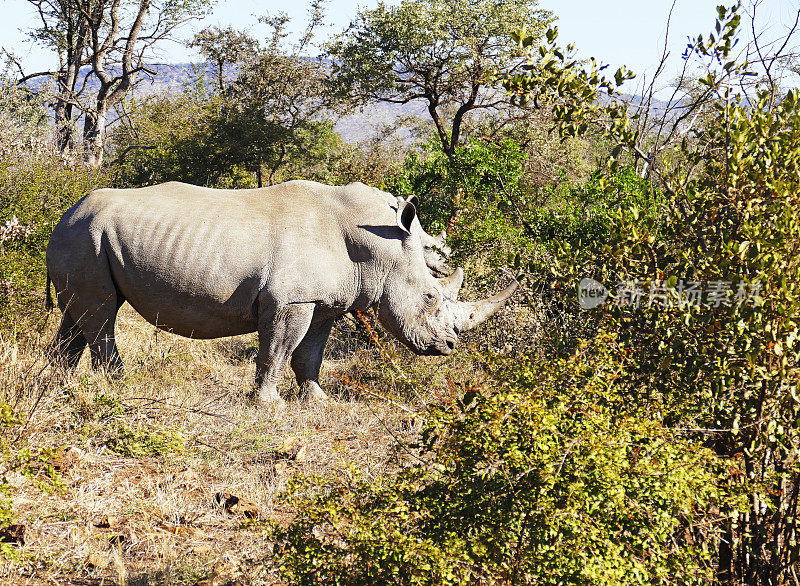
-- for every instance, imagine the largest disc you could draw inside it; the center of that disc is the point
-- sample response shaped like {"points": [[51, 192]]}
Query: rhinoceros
{"points": [[284, 261]]}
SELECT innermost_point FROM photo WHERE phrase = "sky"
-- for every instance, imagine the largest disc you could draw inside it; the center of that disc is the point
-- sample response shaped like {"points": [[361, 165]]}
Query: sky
{"points": [[617, 32], [633, 32]]}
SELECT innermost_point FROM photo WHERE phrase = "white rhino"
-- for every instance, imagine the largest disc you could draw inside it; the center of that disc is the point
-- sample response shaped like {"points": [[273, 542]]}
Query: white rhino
{"points": [[284, 261]]}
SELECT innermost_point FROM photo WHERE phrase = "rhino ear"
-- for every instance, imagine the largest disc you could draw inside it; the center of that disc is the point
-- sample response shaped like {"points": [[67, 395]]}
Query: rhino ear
{"points": [[406, 212], [413, 199]]}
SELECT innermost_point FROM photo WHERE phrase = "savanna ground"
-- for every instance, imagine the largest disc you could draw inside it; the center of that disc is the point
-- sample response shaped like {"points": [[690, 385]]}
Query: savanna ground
{"points": [[168, 475]]}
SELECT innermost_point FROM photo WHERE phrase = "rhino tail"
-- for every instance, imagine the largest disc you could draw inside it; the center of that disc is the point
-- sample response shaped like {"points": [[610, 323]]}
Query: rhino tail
{"points": [[48, 299]]}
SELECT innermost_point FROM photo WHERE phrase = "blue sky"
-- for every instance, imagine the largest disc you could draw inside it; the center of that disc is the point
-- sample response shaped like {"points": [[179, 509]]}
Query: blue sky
{"points": [[617, 32]]}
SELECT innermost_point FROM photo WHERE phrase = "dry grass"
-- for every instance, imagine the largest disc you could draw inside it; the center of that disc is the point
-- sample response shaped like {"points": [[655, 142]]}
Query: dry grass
{"points": [[142, 460]]}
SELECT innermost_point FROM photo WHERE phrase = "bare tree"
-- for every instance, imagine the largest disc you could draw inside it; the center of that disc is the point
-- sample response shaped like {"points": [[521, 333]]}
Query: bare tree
{"points": [[115, 38], [65, 30]]}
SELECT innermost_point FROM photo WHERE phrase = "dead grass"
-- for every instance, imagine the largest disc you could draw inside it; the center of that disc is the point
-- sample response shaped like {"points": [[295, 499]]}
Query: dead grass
{"points": [[143, 461]]}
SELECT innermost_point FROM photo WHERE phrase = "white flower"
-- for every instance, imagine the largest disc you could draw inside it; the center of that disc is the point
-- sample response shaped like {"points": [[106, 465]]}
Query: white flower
{"points": [[13, 230]]}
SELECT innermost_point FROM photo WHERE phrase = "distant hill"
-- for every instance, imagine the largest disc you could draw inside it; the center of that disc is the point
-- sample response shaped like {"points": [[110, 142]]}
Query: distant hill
{"points": [[355, 127]]}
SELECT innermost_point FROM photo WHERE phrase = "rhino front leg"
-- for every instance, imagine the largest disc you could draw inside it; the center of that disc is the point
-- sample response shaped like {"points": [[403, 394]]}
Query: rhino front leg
{"points": [[280, 331], [307, 360]]}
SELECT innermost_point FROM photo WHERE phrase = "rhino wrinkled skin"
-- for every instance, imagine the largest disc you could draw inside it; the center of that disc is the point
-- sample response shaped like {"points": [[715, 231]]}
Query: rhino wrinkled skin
{"points": [[284, 261]]}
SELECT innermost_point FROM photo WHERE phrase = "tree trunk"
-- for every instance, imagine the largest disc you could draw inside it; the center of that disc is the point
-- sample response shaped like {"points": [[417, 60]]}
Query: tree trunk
{"points": [[112, 87], [277, 164], [62, 115], [725, 564], [66, 81], [94, 130]]}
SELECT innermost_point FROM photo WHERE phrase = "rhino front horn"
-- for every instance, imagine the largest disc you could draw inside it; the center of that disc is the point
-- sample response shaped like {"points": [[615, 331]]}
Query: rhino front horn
{"points": [[475, 313]]}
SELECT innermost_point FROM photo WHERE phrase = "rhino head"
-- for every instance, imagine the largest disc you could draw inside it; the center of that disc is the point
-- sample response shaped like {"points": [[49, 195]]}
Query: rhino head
{"points": [[421, 310]]}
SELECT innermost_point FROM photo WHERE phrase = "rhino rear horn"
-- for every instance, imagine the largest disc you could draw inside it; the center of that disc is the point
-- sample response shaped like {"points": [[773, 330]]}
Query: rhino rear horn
{"points": [[475, 313], [452, 283]]}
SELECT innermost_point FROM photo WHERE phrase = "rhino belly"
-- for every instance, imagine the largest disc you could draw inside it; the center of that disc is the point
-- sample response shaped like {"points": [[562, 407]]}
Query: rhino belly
{"points": [[194, 292], [190, 311], [188, 314]]}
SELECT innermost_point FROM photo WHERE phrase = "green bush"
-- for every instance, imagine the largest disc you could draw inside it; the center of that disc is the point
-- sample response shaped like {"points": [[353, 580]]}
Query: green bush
{"points": [[170, 137], [725, 362], [201, 139], [704, 295], [8, 420], [479, 196], [36, 189], [491, 208], [549, 475], [582, 213]]}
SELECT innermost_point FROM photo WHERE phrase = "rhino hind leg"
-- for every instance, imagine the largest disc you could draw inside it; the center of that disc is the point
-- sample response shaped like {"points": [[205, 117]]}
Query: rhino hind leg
{"points": [[92, 313], [307, 360], [280, 331], [68, 345], [104, 350]]}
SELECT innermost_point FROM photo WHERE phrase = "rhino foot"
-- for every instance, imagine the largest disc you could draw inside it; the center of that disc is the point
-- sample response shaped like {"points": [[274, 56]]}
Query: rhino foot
{"points": [[313, 393], [266, 399]]}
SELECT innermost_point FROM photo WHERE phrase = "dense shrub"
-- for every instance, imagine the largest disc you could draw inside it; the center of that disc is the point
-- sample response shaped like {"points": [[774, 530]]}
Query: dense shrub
{"points": [[202, 139], [491, 206], [478, 196], [545, 475], [36, 186], [582, 213], [704, 294], [706, 298], [171, 138]]}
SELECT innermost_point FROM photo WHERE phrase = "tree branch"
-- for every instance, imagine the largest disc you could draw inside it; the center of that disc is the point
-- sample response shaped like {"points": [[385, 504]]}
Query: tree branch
{"points": [[128, 149]]}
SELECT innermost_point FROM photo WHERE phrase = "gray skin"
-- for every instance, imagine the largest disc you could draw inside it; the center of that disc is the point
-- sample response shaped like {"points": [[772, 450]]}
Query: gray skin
{"points": [[284, 261]]}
